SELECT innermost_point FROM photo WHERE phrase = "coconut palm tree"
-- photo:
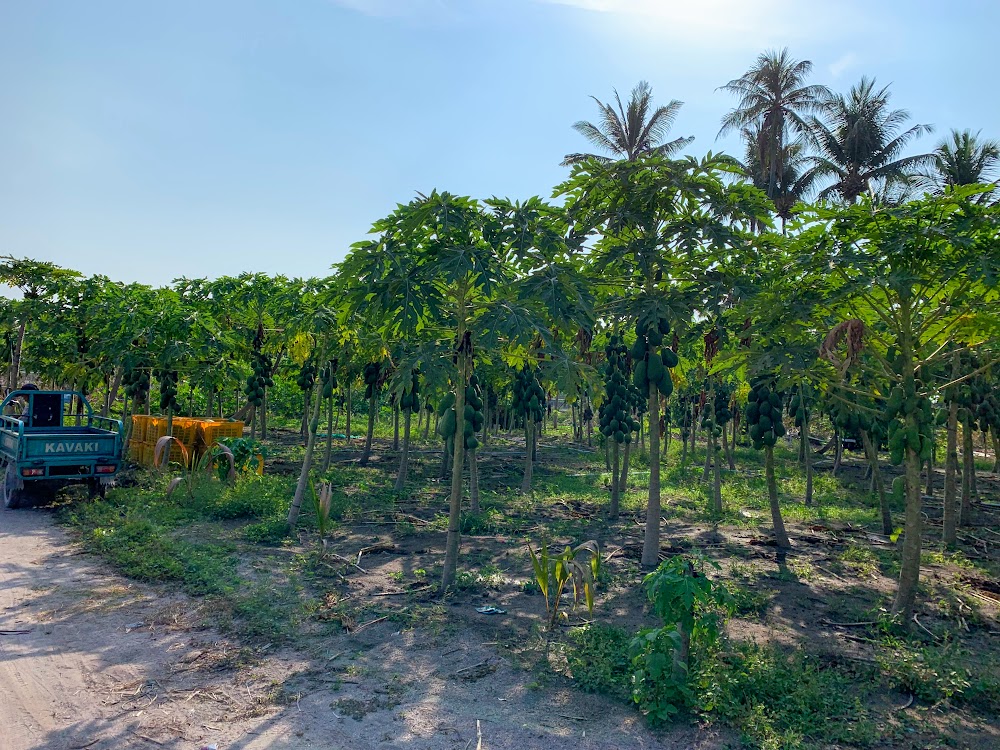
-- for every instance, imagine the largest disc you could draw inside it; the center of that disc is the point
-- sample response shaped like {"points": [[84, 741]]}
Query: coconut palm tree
{"points": [[774, 101], [965, 159], [633, 131], [795, 182], [860, 143]]}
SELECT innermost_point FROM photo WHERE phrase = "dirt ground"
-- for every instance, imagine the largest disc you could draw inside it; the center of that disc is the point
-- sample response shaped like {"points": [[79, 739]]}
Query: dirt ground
{"points": [[89, 660]]}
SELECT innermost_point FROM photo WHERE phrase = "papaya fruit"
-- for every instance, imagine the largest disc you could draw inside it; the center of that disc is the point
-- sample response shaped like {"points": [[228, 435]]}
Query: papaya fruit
{"points": [[446, 403], [654, 367], [670, 358], [666, 384]]}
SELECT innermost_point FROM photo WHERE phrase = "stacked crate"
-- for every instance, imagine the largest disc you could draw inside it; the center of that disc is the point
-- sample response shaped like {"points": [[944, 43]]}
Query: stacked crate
{"points": [[211, 430], [196, 435], [138, 448]]}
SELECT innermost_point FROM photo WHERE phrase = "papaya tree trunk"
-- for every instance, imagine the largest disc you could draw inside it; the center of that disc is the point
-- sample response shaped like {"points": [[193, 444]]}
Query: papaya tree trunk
{"points": [[348, 409], [909, 572], [780, 536], [607, 454], [404, 457], [838, 451], [427, 425], [328, 454], [458, 465], [367, 452], [968, 472], [473, 482], [15, 362], [614, 507], [307, 459], [996, 451], [529, 429], [626, 460], [395, 428], [263, 414], [651, 535], [949, 521], [871, 451]]}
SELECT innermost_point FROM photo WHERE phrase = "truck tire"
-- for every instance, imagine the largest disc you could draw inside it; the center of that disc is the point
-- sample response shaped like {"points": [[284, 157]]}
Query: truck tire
{"points": [[13, 496]]}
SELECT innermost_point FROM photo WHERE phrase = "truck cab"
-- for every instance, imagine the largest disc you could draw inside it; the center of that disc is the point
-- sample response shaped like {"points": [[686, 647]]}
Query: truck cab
{"points": [[49, 439]]}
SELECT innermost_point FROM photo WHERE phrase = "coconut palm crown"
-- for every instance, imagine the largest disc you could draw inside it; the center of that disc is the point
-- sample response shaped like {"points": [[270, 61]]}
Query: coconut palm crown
{"points": [[628, 132], [860, 144]]}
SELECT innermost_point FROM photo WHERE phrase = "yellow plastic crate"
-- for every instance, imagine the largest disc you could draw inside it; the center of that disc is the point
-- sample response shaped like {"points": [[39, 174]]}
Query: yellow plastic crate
{"points": [[156, 427], [136, 451], [139, 425], [177, 454], [210, 430], [185, 429]]}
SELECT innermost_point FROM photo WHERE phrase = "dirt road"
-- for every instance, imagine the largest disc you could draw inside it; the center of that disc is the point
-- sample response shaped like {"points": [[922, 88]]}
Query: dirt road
{"points": [[90, 661]]}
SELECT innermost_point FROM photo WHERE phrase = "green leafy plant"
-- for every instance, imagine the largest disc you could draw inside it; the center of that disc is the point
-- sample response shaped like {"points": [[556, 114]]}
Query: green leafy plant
{"points": [[577, 566], [195, 469], [245, 453], [691, 607], [321, 503], [598, 659]]}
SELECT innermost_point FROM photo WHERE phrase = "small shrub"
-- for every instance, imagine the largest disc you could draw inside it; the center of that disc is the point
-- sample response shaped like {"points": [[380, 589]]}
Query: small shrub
{"points": [[930, 673], [251, 497], [783, 701], [269, 532], [598, 660], [690, 606]]}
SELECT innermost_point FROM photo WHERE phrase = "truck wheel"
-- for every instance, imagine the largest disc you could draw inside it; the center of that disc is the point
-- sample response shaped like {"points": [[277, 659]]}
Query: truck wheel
{"points": [[96, 489], [13, 497]]}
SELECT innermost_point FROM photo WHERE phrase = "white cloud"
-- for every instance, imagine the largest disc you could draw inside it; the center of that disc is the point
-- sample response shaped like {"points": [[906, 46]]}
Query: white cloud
{"points": [[392, 7], [842, 64], [753, 24]]}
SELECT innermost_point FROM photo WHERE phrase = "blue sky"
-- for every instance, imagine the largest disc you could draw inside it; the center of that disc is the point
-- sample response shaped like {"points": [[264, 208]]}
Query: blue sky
{"points": [[148, 141]]}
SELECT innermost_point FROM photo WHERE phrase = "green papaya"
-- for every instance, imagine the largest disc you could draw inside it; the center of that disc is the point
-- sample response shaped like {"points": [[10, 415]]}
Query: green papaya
{"points": [[765, 422], [639, 376], [655, 337], [775, 400], [926, 449], [448, 424], [753, 412], [756, 431], [899, 489], [619, 436], [670, 358], [779, 429], [666, 384], [638, 350], [471, 443], [469, 412], [446, 403], [895, 400], [654, 367], [468, 429], [770, 439], [663, 326]]}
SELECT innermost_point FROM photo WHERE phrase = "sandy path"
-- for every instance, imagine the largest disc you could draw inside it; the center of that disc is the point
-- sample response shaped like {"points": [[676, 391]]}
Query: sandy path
{"points": [[104, 663]]}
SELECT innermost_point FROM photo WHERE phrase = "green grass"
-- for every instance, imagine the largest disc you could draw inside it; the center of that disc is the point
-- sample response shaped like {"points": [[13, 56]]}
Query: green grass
{"points": [[786, 700]]}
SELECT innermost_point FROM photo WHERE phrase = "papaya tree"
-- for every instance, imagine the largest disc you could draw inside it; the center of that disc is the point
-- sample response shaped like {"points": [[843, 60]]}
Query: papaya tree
{"points": [[923, 277], [39, 283], [442, 263], [653, 219]]}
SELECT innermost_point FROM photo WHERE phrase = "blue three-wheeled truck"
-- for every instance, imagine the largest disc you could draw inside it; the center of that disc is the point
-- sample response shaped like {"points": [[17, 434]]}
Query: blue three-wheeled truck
{"points": [[49, 439]]}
